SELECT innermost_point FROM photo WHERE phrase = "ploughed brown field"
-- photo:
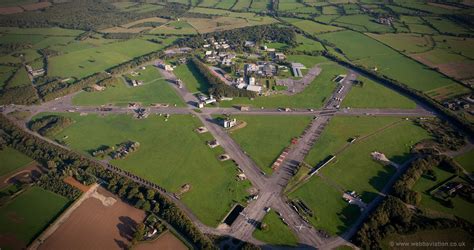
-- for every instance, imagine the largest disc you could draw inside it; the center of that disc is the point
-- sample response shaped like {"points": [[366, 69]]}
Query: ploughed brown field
{"points": [[167, 241], [94, 225]]}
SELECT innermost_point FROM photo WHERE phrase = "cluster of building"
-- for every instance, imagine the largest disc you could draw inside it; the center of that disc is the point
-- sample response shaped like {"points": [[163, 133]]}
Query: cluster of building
{"points": [[296, 68], [353, 198], [204, 100], [141, 113], [386, 20], [163, 65], [34, 72], [460, 103], [123, 149], [223, 58], [135, 83]]}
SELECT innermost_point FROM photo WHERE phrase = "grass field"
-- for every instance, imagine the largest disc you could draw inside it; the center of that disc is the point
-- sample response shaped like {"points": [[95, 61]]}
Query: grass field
{"points": [[175, 28], [12, 160], [229, 20], [20, 224], [353, 167], [467, 161], [387, 61], [193, 80], [242, 5], [313, 96], [461, 207], [19, 79], [407, 43], [446, 26], [214, 188], [154, 90], [311, 27], [92, 60], [375, 95], [277, 233], [5, 73], [331, 212], [306, 44], [265, 137], [363, 23]]}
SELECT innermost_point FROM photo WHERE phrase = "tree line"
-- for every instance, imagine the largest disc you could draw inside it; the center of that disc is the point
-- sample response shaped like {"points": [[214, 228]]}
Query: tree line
{"points": [[218, 87]]}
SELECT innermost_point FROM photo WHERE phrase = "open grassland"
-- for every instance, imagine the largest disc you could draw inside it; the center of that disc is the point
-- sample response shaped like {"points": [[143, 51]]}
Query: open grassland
{"points": [[308, 45], [89, 61], [175, 28], [24, 217], [461, 207], [447, 235], [231, 20], [19, 79], [313, 96], [265, 137], [387, 61], [163, 143], [353, 167], [444, 25], [374, 95], [363, 23], [242, 5], [277, 233], [260, 5], [154, 90], [331, 212], [12, 160], [311, 27], [467, 161], [407, 43], [225, 4], [330, 10], [53, 31], [191, 77], [5, 74], [289, 5]]}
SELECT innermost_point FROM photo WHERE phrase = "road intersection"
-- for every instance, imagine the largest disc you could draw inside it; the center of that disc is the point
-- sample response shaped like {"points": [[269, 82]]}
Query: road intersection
{"points": [[270, 188]]}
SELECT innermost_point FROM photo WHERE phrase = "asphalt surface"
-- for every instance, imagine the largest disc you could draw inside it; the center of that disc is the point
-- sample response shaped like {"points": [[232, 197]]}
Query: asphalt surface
{"points": [[270, 188]]}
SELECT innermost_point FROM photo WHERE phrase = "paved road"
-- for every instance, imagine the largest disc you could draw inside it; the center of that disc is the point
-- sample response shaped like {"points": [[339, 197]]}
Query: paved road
{"points": [[270, 187]]}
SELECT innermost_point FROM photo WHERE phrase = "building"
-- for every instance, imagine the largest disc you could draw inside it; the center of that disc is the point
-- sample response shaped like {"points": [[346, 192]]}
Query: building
{"points": [[229, 123], [251, 80], [296, 68], [244, 108], [249, 44], [279, 56], [254, 88]]}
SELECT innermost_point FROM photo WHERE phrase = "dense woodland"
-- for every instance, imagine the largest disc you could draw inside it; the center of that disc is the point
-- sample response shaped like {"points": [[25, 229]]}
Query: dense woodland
{"points": [[393, 216], [84, 15]]}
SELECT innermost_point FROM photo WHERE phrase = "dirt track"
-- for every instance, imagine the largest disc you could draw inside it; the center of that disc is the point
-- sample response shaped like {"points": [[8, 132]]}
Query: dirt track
{"points": [[94, 225]]}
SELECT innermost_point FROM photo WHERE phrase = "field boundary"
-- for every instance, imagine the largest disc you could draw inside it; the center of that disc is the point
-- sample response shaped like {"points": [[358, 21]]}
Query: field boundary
{"points": [[61, 219]]}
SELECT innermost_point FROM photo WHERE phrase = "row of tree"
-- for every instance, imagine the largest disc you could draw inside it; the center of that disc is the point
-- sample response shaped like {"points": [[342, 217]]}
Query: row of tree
{"points": [[62, 161], [50, 125]]}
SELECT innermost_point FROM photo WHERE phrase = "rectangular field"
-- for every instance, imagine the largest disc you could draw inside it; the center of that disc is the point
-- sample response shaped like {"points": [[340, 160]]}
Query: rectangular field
{"points": [[12, 160], [20, 224], [163, 143]]}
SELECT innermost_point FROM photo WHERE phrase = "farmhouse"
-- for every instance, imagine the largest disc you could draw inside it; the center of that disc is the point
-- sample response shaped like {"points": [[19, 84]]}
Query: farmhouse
{"points": [[229, 123]]}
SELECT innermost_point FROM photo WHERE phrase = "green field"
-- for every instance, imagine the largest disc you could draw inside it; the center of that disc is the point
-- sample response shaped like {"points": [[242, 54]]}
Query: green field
{"points": [[277, 233], [311, 27], [461, 207], [313, 96], [375, 95], [362, 23], [23, 218], [191, 77], [331, 212], [467, 161], [407, 43], [308, 45], [86, 62], [387, 61], [19, 79], [154, 90], [175, 28], [265, 137], [214, 188], [447, 26], [12, 160], [353, 167]]}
